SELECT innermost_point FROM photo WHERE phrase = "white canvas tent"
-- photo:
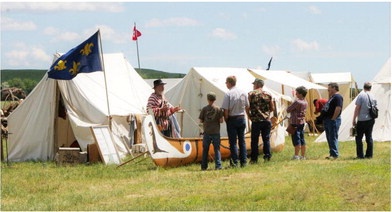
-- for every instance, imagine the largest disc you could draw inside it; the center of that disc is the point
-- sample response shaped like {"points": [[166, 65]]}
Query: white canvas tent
{"points": [[381, 90], [36, 126], [191, 94]]}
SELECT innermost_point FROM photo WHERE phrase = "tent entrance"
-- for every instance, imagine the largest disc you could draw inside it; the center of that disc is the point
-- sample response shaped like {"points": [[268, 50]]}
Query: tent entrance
{"points": [[63, 133]]}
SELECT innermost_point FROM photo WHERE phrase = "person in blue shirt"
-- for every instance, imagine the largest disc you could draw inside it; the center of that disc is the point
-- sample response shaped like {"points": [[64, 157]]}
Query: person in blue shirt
{"points": [[332, 120]]}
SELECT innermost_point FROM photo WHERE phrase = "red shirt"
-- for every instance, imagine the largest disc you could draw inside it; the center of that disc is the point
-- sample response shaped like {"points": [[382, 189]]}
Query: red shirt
{"points": [[320, 104]]}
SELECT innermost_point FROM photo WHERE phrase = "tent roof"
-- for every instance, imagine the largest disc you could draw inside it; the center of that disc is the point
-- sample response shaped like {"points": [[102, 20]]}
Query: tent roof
{"points": [[342, 77], [384, 75], [285, 78], [217, 76]]}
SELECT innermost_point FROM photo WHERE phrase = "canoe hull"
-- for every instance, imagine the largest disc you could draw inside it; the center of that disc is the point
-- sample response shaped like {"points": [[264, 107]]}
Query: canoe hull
{"points": [[173, 152]]}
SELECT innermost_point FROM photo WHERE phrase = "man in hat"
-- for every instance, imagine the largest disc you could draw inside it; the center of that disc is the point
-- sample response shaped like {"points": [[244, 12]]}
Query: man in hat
{"points": [[161, 108], [261, 106]]}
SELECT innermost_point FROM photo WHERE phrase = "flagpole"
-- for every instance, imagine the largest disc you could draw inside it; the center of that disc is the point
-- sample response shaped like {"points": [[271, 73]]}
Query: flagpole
{"points": [[106, 85], [137, 48]]}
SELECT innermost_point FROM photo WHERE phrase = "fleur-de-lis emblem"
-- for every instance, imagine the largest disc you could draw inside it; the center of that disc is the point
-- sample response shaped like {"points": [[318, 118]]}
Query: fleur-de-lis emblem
{"points": [[60, 65], [75, 68], [87, 49]]}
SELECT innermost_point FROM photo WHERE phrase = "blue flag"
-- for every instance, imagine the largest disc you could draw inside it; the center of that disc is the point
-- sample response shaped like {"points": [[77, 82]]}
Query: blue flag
{"points": [[84, 58]]}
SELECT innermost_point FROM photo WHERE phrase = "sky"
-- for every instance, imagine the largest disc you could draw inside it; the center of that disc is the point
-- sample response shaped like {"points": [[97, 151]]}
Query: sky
{"points": [[176, 36]]}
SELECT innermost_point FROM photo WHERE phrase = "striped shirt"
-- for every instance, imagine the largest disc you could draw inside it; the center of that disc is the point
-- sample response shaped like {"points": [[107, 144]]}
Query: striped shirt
{"points": [[156, 102], [297, 111]]}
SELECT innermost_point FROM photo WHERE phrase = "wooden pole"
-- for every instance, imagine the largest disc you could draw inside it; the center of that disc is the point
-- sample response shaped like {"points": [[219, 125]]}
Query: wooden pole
{"points": [[137, 49], [106, 85]]}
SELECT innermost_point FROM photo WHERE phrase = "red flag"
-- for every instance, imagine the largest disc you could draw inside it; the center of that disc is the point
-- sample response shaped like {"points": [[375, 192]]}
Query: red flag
{"points": [[136, 33]]}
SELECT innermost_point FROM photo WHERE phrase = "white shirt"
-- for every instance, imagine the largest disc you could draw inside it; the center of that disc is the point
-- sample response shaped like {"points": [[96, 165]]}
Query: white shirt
{"points": [[235, 101]]}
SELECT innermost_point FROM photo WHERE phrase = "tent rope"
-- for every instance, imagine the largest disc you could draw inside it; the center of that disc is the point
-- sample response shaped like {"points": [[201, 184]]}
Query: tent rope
{"points": [[193, 120]]}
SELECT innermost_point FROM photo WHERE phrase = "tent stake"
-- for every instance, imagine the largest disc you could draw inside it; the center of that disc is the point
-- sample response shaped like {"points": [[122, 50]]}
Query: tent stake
{"points": [[132, 159]]}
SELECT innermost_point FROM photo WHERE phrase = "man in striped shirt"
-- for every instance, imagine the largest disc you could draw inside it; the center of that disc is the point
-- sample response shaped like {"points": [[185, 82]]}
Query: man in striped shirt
{"points": [[161, 108]]}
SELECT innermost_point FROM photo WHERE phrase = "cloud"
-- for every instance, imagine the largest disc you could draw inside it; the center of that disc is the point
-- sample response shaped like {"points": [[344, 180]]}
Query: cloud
{"points": [[168, 57], [40, 54], [62, 6], [8, 24], [314, 10], [59, 35], [271, 50], [305, 46], [23, 55], [170, 22], [107, 33], [223, 33]]}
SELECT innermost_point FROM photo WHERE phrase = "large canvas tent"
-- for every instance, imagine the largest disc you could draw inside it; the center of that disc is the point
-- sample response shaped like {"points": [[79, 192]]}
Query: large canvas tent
{"points": [[58, 112], [381, 90], [191, 94]]}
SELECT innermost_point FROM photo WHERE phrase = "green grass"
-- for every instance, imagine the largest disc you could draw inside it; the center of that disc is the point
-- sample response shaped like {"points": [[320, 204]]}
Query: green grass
{"points": [[315, 184]]}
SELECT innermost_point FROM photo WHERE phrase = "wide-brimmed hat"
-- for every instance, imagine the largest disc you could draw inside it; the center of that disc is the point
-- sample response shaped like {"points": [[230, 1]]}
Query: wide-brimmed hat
{"points": [[158, 82]]}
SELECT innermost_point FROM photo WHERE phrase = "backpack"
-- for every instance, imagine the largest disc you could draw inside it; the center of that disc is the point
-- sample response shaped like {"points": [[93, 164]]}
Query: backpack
{"points": [[373, 111]]}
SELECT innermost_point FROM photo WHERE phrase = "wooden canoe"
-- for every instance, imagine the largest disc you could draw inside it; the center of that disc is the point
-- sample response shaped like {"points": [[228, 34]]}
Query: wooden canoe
{"points": [[173, 152]]}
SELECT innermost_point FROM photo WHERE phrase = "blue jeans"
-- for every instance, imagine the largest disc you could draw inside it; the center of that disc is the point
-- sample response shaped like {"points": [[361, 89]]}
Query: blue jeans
{"points": [[207, 140], [364, 127], [298, 137], [331, 131], [263, 127], [236, 128]]}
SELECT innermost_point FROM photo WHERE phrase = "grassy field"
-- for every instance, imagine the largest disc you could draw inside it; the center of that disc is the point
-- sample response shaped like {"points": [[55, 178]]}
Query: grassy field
{"points": [[282, 184]]}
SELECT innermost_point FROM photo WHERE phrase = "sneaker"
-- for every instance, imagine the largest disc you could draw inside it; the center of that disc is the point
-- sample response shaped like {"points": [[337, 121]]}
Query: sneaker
{"points": [[330, 158], [296, 157], [302, 157], [253, 162]]}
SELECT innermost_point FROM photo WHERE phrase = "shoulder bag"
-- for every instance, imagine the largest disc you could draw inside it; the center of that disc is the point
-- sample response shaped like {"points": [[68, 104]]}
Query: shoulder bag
{"points": [[373, 111]]}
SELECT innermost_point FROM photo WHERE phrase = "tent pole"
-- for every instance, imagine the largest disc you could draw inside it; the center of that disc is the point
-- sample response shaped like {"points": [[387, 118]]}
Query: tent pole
{"points": [[106, 85], [182, 121], [56, 108]]}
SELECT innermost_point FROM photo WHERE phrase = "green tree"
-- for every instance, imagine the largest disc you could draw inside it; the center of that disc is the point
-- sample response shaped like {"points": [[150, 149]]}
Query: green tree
{"points": [[25, 84]]}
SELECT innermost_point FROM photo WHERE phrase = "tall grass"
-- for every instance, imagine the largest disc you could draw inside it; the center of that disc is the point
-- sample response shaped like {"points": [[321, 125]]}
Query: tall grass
{"points": [[315, 184]]}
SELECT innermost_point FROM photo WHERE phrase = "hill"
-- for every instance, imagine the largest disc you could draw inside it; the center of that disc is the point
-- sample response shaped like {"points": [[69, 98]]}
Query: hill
{"points": [[154, 74], [37, 74], [33, 74]]}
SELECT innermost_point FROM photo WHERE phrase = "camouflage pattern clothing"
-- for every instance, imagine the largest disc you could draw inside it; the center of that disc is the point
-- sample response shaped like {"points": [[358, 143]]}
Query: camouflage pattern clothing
{"points": [[259, 101]]}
